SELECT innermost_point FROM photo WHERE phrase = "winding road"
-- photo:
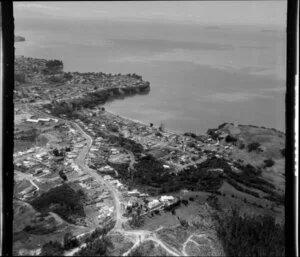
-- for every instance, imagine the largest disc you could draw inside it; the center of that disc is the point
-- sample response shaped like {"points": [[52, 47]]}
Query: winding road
{"points": [[138, 236]]}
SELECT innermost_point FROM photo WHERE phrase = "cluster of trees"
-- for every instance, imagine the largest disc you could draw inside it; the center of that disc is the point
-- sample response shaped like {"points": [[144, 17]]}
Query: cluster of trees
{"points": [[150, 172], [70, 241], [126, 143], [68, 75], [137, 220], [96, 244], [190, 134], [53, 66], [52, 248], [62, 200], [230, 139], [250, 236], [240, 188], [58, 153], [133, 75], [55, 248], [250, 177]]}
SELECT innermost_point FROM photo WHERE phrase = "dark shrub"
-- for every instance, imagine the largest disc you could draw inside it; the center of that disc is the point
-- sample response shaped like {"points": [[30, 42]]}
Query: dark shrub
{"points": [[269, 163], [156, 212], [158, 134], [253, 146], [54, 64], [185, 202], [190, 134], [230, 139], [70, 241]]}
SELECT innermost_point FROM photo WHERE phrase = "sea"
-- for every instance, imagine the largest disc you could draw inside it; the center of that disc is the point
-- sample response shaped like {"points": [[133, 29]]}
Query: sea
{"points": [[200, 75]]}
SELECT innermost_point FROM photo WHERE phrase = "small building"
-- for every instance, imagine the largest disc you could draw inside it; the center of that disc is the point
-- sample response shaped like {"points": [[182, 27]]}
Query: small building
{"points": [[32, 120], [44, 119], [154, 203]]}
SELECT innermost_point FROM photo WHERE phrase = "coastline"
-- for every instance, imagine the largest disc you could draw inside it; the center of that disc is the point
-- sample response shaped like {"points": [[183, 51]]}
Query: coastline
{"points": [[171, 131]]}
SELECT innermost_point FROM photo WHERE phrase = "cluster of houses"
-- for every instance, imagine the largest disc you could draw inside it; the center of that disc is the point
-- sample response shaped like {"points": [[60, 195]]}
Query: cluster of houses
{"points": [[42, 120], [98, 197], [72, 84]]}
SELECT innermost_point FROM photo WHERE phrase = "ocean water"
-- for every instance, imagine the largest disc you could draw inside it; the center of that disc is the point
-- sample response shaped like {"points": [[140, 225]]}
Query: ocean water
{"points": [[200, 76]]}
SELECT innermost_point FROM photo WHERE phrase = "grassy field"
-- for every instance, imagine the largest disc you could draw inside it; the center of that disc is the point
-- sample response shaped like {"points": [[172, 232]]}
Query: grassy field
{"points": [[120, 244], [22, 145], [149, 248]]}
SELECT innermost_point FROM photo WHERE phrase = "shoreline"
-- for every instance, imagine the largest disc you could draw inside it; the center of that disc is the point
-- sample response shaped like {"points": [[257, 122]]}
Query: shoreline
{"points": [[171, 131]]}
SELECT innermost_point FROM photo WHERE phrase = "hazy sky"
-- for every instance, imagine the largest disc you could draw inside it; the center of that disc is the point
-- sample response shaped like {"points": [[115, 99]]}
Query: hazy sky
{"points": [[271, 13]]}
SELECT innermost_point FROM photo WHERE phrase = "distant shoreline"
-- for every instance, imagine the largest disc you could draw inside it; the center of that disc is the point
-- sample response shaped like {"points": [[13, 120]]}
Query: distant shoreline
{"points": [[19, 39]]}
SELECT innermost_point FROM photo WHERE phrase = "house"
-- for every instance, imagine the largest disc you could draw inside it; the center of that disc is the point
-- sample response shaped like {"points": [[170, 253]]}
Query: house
{"points": [[32, 120], [107, 169], [134, 192], [44, 119], [167, 198], [154, 203]]}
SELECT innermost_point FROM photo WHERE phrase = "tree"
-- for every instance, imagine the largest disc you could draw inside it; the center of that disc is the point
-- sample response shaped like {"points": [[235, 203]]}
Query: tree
{"points": [[56, 152], [161, 127], [269, 163], [62, 175], [183, 222], [151, 125], [230, 138], [70, 241]]}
